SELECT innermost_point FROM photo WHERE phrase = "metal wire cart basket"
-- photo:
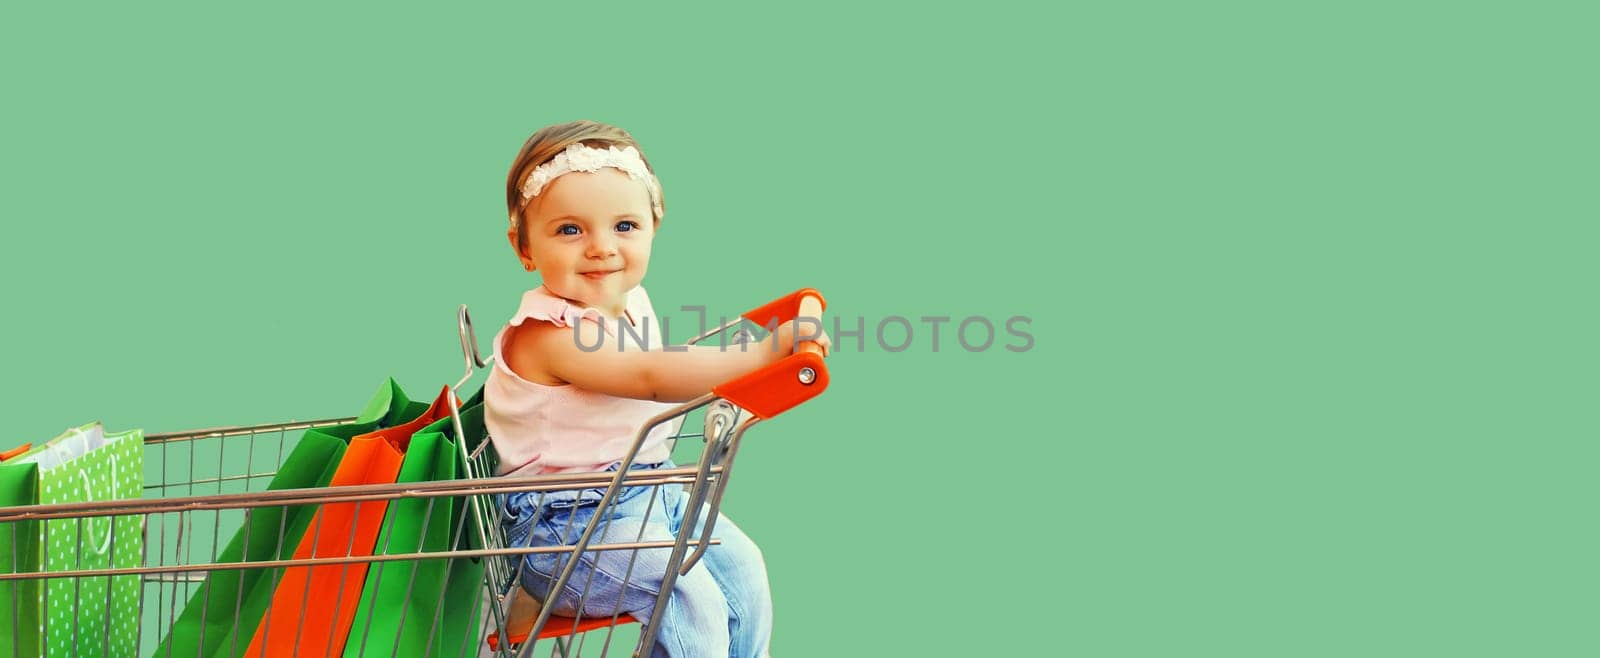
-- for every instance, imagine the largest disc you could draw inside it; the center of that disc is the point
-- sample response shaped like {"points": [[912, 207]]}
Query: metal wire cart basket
{"points": [[374, 535]]}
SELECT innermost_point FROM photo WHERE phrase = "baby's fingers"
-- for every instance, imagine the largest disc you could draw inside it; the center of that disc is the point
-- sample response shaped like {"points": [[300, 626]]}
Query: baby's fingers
{"points": [[826, 343]]}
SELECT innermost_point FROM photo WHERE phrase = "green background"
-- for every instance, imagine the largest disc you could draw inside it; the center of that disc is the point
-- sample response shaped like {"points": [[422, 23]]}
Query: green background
{"points": [[1312, 289]]}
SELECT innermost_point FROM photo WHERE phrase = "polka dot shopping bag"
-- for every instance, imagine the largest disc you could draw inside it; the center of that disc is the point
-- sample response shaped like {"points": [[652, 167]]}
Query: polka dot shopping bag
{"points": [[75, 616]]}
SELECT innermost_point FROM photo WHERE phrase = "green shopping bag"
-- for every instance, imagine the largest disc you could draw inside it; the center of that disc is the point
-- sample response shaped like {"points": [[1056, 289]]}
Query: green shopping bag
{"points": [[424, 608], [20, 629], [223, 613], [95, 616]]}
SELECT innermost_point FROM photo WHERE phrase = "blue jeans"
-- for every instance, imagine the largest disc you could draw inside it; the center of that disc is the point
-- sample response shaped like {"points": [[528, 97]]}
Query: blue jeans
{"points": [[723, 607]]}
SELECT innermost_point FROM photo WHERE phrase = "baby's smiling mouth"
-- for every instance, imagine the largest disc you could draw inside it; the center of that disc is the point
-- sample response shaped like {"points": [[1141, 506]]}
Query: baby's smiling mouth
{"points": [[599, 274]]}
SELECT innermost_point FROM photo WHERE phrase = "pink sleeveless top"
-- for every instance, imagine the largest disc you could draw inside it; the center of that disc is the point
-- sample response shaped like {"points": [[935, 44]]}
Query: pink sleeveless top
{"points": [[537, 428]]}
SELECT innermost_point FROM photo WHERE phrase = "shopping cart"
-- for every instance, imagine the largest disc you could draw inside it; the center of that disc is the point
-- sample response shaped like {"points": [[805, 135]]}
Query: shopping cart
{"points": [[203, 487]]}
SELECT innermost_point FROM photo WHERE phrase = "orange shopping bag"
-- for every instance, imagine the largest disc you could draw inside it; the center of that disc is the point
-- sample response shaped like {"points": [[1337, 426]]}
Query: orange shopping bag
{"points": [[313, 606]]}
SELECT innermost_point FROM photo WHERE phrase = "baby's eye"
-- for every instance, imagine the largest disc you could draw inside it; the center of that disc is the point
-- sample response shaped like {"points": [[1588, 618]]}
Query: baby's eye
{"points": [[563, 229], [627, 225]]}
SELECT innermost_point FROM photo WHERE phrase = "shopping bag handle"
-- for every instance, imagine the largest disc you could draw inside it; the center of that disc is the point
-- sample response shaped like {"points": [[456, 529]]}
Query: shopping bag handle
{"points": [[88, 495], [792, 380], [88, 489]]}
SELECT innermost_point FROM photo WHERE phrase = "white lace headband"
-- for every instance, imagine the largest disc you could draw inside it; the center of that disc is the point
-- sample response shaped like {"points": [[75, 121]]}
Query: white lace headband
{"points": [[579, 157]]}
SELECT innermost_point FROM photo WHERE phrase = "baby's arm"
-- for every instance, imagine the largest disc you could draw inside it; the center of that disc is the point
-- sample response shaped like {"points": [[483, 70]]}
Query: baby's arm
{"points": [[667, 376]]}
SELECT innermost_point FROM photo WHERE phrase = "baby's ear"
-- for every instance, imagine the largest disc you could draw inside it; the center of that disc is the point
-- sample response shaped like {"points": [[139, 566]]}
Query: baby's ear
{"points": [[527, 263]]}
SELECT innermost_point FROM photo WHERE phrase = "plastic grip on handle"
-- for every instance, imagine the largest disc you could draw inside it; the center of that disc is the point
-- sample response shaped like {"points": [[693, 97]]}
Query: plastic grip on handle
{"points": [[788, 307], [777, 387]]}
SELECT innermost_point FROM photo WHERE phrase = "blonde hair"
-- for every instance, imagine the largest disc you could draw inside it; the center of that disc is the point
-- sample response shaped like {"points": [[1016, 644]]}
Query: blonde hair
{"points": [[549, 141]]}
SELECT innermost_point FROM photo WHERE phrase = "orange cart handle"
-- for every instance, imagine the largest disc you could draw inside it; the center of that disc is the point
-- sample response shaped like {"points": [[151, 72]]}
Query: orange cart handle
{"points": [[785, 384]]}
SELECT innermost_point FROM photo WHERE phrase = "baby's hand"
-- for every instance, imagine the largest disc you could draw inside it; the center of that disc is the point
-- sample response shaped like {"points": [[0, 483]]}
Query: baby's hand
{"points": [[787, 338]]}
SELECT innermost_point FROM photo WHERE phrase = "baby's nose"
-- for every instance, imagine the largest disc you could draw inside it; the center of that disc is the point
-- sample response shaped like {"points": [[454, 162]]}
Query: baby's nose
{"points": [[601, 247]]}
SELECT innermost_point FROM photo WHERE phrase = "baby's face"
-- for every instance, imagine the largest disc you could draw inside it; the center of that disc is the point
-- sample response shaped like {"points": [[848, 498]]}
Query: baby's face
{"points": [[589, 235]]}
